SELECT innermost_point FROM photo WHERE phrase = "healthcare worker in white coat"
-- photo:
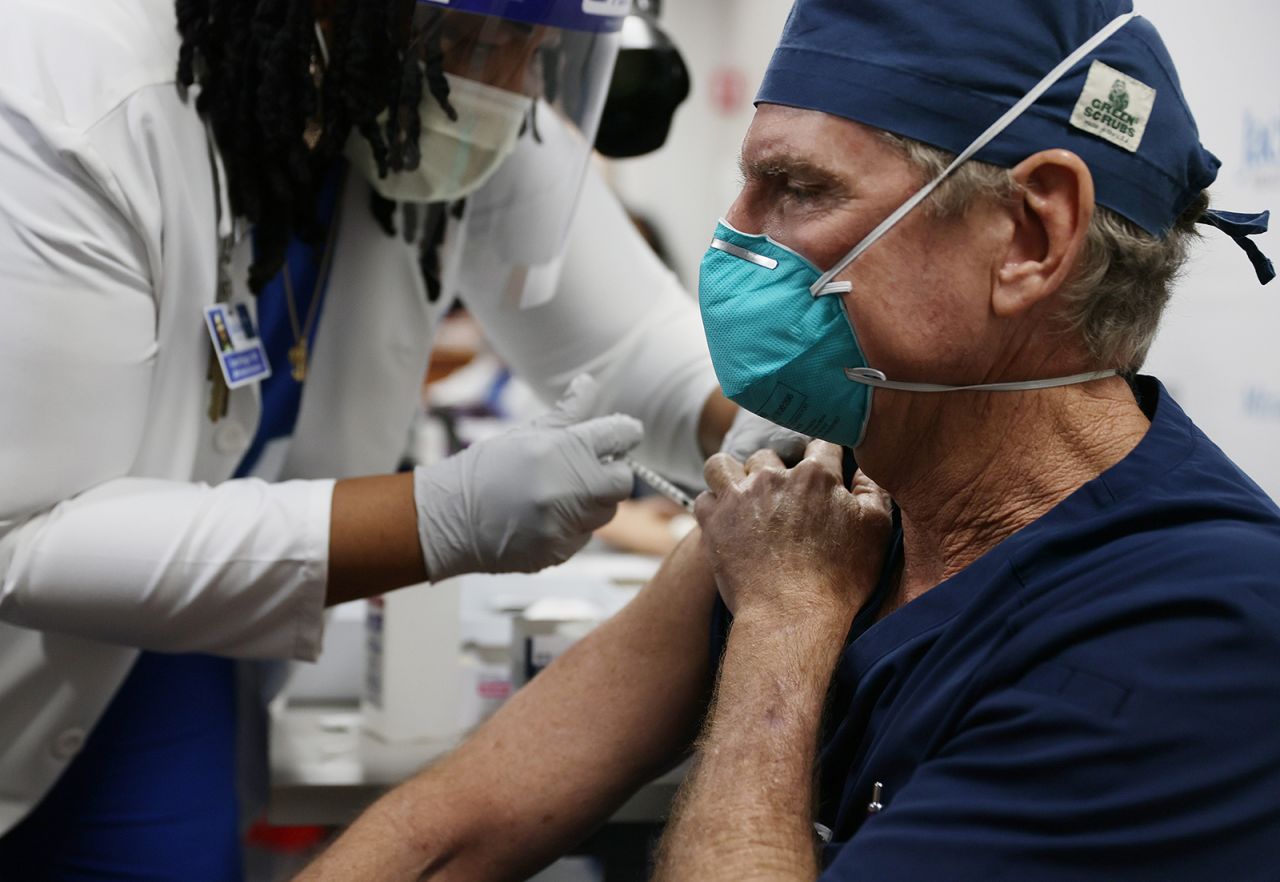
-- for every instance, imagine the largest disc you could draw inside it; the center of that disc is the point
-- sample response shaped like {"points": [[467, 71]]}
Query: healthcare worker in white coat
{"points": [[226, 238]]}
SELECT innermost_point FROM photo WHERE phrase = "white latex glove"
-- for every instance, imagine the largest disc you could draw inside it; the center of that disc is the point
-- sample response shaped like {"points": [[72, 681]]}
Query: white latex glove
{"points": [[528, 498], [750, 433]]}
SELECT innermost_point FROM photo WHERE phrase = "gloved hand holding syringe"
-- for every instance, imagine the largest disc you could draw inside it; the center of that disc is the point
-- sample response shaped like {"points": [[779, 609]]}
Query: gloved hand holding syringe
{"points": [[531, 496]]}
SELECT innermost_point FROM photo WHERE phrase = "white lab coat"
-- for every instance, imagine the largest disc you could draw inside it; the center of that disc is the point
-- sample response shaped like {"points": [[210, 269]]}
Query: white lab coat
{"points": [[118, 527]]}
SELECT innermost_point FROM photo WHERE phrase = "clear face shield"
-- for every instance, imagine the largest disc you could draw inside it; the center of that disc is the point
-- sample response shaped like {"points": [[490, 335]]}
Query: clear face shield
{"points": [[511, 103]]}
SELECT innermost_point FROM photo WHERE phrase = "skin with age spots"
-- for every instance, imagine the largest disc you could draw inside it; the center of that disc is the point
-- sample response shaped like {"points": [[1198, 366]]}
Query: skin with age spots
{"points": [[779, 521]]}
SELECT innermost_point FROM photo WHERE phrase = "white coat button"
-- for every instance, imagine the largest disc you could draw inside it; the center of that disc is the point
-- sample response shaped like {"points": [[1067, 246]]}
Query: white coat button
{"points": [[230, 437], [68, 743]]}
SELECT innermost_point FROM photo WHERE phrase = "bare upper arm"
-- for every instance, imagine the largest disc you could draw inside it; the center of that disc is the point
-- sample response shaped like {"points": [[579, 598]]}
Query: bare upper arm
{"points": [[563, 753], [617, 709]]}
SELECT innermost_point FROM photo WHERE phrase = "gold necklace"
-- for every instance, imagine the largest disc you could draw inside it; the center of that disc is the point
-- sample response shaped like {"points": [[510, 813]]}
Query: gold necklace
{"points": [[299, 352]]}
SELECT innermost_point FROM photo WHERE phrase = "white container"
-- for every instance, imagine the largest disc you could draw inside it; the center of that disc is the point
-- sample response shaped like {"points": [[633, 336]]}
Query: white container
{"points": [[546, 629], [337, 676], [412, 638], [438, 657], [484, 667]]}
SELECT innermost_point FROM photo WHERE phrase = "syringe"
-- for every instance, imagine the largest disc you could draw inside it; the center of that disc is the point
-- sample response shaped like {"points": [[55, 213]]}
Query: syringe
{"points": [[661, 484]]}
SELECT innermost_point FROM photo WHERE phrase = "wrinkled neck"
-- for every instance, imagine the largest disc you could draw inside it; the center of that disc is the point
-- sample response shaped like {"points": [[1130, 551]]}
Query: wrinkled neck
{"points": [[977, 468]]}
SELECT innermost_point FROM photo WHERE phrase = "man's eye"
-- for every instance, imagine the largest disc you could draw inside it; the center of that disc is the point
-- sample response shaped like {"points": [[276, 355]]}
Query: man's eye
{"points": [[800, 192], [782, 185]]}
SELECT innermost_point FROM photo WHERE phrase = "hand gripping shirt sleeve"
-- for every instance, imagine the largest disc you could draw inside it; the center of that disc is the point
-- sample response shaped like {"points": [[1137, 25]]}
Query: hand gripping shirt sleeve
{"points": [[102, 534], [618, 314]]}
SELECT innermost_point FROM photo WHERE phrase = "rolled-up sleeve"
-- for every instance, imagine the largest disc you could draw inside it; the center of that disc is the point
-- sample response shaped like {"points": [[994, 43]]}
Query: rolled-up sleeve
{"points": [[238, 569]]}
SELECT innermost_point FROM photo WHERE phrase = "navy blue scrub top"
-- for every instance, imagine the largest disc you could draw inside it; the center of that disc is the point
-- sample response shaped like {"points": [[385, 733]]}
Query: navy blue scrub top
{"points": [[1097, 697]]}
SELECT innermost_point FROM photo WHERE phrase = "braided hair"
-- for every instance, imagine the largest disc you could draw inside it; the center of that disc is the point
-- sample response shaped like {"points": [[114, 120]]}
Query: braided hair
{"points": [[280, 121]]}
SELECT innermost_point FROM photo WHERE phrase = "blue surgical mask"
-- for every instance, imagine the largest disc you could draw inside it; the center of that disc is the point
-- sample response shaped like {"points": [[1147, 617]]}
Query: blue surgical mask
{"points": [[781, 342]]}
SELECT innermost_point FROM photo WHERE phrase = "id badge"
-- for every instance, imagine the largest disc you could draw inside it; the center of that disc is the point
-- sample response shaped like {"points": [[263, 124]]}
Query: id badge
{"points": [[234, 332]]}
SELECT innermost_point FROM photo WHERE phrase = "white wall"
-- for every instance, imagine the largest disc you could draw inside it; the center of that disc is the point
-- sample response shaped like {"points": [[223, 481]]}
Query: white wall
{"points": [[1219, 350]]}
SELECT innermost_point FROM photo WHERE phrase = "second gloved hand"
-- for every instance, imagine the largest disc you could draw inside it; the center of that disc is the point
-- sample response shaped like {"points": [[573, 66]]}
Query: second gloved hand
{"points": [[530, 497], [750, 433]]}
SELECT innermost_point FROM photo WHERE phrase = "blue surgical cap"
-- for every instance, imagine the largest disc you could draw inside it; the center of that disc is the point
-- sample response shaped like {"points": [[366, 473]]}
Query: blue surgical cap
{"points": [[941, 71]]}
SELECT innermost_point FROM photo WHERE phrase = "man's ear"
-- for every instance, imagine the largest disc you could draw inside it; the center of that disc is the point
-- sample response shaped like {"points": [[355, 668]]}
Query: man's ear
{"points": [[1051, 220]]}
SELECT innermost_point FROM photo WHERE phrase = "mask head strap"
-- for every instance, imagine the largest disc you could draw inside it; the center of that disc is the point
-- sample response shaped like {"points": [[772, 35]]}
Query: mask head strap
{"points": [[877, 379], [322, 44], [820, 287]]}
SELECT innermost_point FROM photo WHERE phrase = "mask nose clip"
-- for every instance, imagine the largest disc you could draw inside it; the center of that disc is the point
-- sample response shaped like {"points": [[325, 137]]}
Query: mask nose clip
{"points": [[746, 254], [864, 373]]}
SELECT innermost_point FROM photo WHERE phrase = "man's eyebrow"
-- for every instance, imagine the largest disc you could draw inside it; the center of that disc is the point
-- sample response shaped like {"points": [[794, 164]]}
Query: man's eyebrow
{"points": [[796, 167]]}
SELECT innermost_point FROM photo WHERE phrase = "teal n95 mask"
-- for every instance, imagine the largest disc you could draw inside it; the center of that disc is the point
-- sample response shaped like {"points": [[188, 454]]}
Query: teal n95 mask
{"points": [[777, 351], [784, 348], [457, 155]]}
